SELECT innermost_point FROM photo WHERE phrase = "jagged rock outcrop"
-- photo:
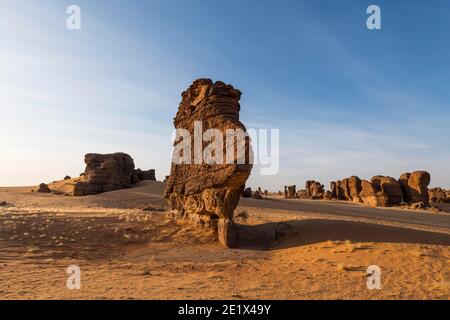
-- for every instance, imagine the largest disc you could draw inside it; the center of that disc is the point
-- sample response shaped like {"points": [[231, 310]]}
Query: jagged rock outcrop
{"points": [[104, 172], [415, 186], [371, 197], [209, 191], [390, 186]]}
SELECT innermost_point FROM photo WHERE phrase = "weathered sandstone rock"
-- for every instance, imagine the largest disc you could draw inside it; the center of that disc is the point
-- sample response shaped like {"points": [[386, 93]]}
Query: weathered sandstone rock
{"points": [[403, 181], [209, 191], [308, 185], [339, 190], [415, 186], [345, 187], [333, 188], [390, 186], [104, 172], [371, 197], [316, 190], [354, 188], [418, 185]]}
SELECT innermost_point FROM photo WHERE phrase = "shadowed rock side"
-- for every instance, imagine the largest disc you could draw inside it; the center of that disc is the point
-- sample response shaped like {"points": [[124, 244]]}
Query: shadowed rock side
{"points": [[205, 193]]}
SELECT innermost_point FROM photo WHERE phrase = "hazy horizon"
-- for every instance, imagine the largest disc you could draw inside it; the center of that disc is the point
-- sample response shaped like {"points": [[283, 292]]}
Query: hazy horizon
{"points": [[347, 100]]}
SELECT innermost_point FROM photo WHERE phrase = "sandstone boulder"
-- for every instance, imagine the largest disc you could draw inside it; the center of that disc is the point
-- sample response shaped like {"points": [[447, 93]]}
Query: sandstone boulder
{"points": [[354, 188], [210, 191], [371, 197], [418, 186], [415, 187], [390, 186], [316, 190], [345, 187], [308, 185]]}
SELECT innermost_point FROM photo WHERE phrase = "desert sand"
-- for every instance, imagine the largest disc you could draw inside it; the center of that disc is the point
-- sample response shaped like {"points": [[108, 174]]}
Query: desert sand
{"points": [[127, 248]]}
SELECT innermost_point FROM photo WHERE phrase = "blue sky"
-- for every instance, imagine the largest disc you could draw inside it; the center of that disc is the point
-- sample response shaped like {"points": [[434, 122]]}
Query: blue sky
{"points": [[347, 100]]}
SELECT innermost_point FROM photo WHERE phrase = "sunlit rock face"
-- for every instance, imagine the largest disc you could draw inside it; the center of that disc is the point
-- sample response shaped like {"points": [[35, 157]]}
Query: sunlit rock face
{"points": [[206, 191]]}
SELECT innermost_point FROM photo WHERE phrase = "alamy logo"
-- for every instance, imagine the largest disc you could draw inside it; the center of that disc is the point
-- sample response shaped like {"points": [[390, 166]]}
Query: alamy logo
{"points": [[374, 20], [74, 279], [228, 148], [73, 22], [373, 277]]}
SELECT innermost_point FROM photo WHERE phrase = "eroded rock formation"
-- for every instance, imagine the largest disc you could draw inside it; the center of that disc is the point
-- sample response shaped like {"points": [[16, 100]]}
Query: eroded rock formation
{"points": [[371, 197], [209, 192], [290, 192], [415, 186], [354, 188], [104, 172], [316, 190], [390, 186], [333, 189]]}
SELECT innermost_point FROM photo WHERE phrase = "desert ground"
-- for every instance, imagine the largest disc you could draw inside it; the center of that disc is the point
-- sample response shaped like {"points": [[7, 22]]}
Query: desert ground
{"points": [[128, 248]]}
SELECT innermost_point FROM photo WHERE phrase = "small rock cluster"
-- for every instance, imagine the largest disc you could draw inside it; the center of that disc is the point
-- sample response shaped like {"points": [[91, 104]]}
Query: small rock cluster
{"points": [[384, 191]]}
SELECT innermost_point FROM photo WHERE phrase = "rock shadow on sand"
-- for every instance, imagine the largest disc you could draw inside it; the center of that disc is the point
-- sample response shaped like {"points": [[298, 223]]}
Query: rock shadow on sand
{"points": [[294, 233]]}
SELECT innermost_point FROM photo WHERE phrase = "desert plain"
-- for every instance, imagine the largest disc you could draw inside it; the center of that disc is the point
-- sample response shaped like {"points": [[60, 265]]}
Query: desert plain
{"points": [[128, 248]]}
